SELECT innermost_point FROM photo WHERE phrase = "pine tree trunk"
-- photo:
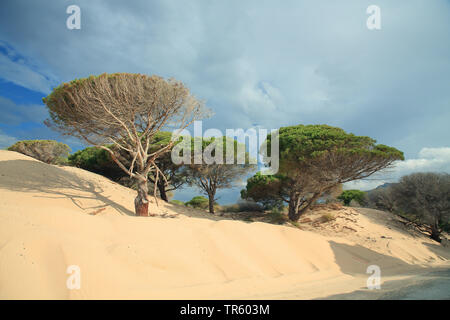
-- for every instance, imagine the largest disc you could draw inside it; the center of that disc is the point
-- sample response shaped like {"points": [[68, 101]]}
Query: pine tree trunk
{"points": [[294, 211], [435, 234], [293, 207], [162, 190], [310, 202], [211, 203], [141, 201]]}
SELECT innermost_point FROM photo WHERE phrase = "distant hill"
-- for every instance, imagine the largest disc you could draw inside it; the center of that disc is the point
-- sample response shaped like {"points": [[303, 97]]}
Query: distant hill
{"points": [[383, 186]]}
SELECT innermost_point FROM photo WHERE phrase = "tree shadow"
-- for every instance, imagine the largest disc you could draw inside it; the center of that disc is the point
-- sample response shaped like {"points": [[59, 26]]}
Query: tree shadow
{"points": [[390, 220], [55, 183], [354, 260], [35, 176], [439, 250], [427, 286]]}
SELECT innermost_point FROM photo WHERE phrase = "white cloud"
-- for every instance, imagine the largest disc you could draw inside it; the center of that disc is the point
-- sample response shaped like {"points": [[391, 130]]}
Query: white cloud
{"points": [[429, 160], [265, 62], [6, 141], [435, 153], [21, 73], [15, 114]]}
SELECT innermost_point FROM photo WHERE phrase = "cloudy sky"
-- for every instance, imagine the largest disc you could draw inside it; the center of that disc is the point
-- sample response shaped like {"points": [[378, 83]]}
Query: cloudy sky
{"points": [[255, 62]]}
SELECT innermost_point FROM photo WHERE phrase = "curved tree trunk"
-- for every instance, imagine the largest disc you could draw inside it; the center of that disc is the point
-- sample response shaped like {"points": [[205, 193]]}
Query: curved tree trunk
{"points": [[211, 203], [435, 233], [293, 207], [309, 203], [141, 201], [162, 190], [294, 211]]}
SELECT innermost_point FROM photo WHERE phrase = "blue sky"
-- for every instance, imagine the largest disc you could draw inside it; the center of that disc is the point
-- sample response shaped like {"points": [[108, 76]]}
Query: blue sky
{"points": [[268, 63]]}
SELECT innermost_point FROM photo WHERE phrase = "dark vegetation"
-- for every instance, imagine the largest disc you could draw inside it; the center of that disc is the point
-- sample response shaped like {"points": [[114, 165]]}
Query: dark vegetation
{"points": [[348, 195], [421, 198], [48, 151]]}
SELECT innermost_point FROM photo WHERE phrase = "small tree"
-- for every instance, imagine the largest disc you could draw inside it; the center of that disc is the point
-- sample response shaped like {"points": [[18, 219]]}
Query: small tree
{"points": [[348, 195], [126, 111], [48, 151], [426, 196], [382, 199], [268, 190], [314, 159], [211, 177], [198, 202], [177, 202]]}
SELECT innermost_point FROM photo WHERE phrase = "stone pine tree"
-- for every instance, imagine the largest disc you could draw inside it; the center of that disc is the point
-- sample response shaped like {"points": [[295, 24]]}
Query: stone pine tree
{"points": [[218, 172], [125, 111], [314, 159]]}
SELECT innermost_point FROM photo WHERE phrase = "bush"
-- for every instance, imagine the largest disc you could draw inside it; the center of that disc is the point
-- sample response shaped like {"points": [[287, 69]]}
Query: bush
{"points": [[348, 195], [231, 208], [48, 151], [243, 206], [177, 202], [99, 161], [327, 217], [198, 202], [249, 206], [276, 217]]}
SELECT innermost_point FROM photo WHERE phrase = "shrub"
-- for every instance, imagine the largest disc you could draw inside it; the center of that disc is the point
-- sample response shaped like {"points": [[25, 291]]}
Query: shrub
{"points": [[327, 217], [177, 202], [198, 202], [348, 195], [96, 160], [48, 151], [243, 206], [249, 206], [231, 208], [276, 217]]}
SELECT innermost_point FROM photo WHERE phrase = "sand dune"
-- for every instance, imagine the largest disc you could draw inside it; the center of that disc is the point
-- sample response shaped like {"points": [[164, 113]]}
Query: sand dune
{"points": [[52, 217]]}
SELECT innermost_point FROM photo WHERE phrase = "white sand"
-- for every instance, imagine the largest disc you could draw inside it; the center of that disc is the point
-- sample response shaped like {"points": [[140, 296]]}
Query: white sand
{"points": [[47, 223]]}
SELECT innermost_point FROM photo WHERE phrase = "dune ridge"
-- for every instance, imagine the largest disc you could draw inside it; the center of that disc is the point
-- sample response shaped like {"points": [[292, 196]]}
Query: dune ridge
{"points": [[52, 217]]}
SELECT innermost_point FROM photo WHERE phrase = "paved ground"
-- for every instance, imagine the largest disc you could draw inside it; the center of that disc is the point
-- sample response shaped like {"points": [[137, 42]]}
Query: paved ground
{"points": [[428, 286]]}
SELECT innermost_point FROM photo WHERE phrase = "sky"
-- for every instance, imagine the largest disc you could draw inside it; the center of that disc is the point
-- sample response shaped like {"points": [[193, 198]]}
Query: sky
{"points": [[254, 63]]}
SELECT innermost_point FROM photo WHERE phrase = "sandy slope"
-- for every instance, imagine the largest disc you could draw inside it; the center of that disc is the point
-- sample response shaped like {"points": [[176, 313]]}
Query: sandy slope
{"points": [[52, 217]]}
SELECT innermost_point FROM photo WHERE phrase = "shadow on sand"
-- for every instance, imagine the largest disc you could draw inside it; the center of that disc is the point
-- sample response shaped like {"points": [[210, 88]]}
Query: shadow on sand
{"points": [[439, 250], [36, 176], [421, 283], [361, 258]]}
